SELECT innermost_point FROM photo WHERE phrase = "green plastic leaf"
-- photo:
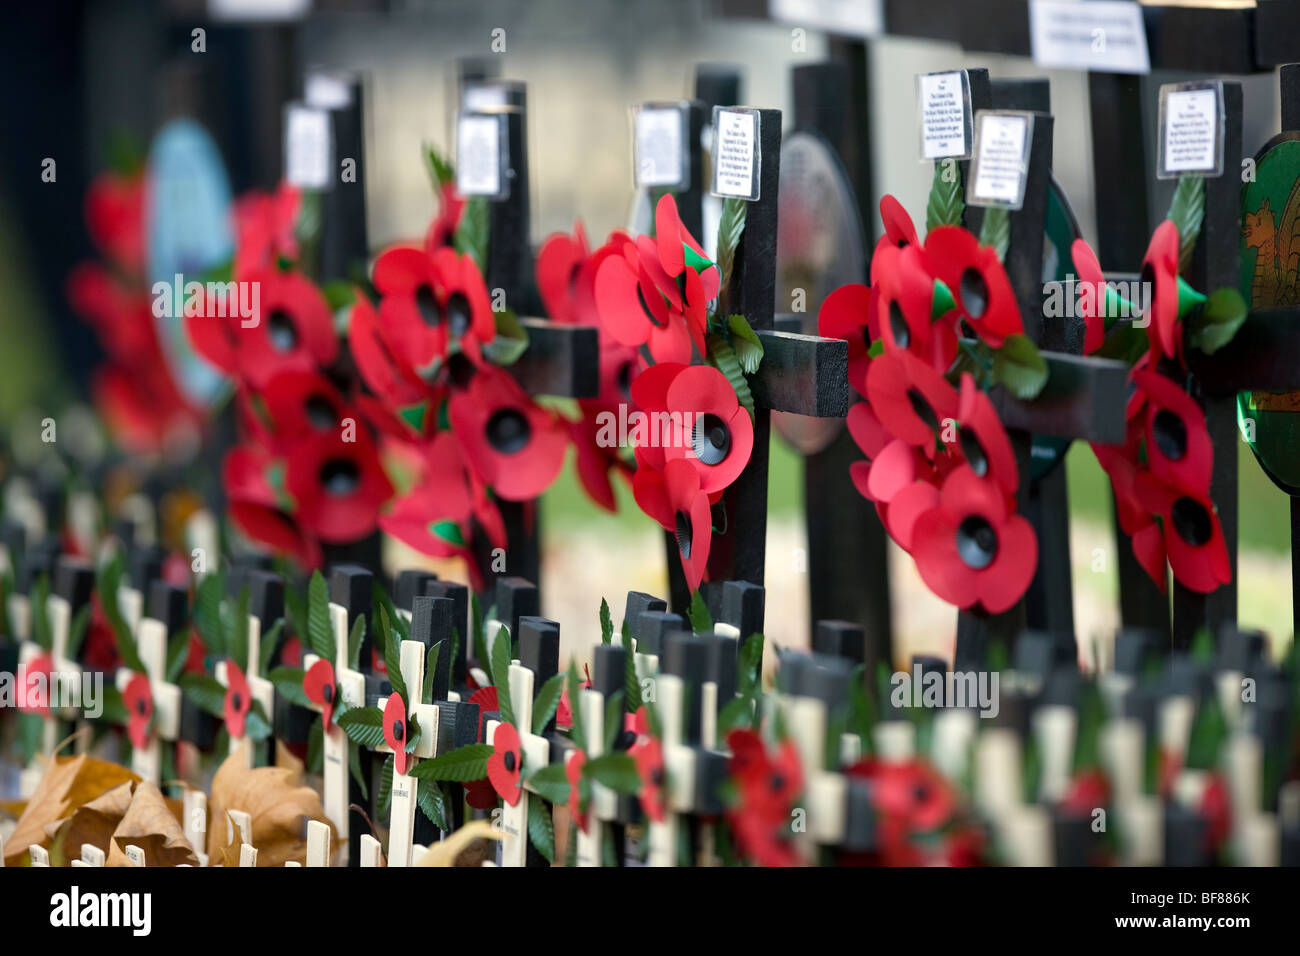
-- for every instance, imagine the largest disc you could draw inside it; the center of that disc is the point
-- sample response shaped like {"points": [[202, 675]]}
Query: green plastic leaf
{"points": [[995, 231], [698, 614], [114, 707], [738, 712], [578, 732], [236, 622], [430, 673], [731, 227], [471, 236], [439, 168], [257, 726], [615, 770], [458, 766], [606, 623], [363, 725], [268, 644], [207, 614], [1187, 212], [724, 359], [746, 343], [288, 684], [946, 203], [320, 633], [1125, 343], [501, 673], [510, 342], [751, 665], [77, 632], [541, 829], [551, 783], [178, 651], [206, 692], [613, 719], [384, 799], [40, 605], [1218, 321], [432, 803], [338, 293], [547, 701], [631, 685], [354, 767], [392, 655], [1019, 368]]}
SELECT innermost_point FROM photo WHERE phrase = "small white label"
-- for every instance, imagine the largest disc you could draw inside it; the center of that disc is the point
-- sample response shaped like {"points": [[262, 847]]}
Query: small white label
{"points": [[1191, 129], [944, 106], [307, 147], [478, 155], [327, 91], [658, 139], [735, 153], [478, 97], [1107, 35], [858, 18], [1001, 158]]}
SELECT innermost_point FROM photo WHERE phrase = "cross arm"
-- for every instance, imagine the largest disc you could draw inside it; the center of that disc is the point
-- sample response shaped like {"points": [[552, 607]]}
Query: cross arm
{"points": [[1264, 355], [560, 360], [806, 374], [1083, 398]]}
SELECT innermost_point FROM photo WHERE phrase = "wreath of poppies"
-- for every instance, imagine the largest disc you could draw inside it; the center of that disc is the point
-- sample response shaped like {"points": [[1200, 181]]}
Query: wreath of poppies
{"points": [[938, 325], [1160, 474]]}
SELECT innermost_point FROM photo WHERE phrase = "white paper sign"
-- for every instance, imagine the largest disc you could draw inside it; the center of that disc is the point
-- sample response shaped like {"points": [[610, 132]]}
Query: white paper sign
{"points": [[943, 102], [1107, 35], [1191, 129], [307, 159], [658, 142], [482, 96], [327, 91], [858, 18], [735, 153], [1001, 158], [478, 155]]}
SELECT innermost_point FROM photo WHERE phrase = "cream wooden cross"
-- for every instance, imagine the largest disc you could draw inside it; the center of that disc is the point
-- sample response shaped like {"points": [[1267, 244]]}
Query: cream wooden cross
{"points": [[405, 791], [151, 643], [195, 824], [535, 751], [260, 689]]}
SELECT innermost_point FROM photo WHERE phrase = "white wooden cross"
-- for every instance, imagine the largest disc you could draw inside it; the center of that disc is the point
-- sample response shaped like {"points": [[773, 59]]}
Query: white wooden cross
{"points": [[534, 749], [260, 689], [372, 853], [195, 824], [241, 821], [405, 791], [134, 854], [604, 802], [318, 843], [40, 855], [679, 770], [91, 855], [151, 642]]}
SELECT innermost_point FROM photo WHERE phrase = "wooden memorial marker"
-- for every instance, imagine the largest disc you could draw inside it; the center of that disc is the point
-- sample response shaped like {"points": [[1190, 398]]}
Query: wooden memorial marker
{"points": [[194, 808], [561, 360], [350, 588], [609, 812], [318, 843], [167, 613], [266, 605]]}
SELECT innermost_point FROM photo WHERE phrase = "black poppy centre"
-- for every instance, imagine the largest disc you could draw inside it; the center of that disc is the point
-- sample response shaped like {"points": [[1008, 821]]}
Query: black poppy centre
{"points": [[973, 451], [977, 542], [1170, 433], [1191, 521], [898, 326], [683, 533], [459, 313], [711, 439], [921, 407], [508, 431], [426, 303], [340, 477], [281, 330], [974, 293], [320, 412], [645, 308]]}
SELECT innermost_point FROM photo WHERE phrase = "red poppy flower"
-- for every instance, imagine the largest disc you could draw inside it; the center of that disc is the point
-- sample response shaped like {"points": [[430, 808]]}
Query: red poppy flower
{"points": [[909, 398], [115, 218], [486, 698], [770, 785], [1088, 790], [982, 440], [1160, 275], [913, 792], [850, 313], [239, 700], [978, 282], [673, 497], [639, 303], [1093, 303], [319, 686], [395, 730], [442, 231], [1216, 808], [1193, 536], [387, 371], [294, 330], [264, 229], [138, 698], [721, 435], [899, 229], [1178, 445], [513, 444], [430, 300], [35, 681], [674, 241], [558, 270], [339, 485], [970, 550], [649, 756], [748, 756], [1135, 520], [905, 291], [301, 401], [505, 765], [573, 771]]}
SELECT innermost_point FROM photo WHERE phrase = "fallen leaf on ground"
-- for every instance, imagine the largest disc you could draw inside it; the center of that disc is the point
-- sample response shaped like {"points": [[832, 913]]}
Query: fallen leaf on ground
{"points": [[68, 783]]}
